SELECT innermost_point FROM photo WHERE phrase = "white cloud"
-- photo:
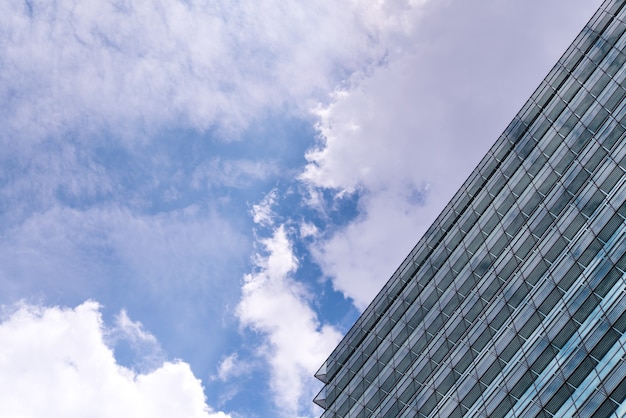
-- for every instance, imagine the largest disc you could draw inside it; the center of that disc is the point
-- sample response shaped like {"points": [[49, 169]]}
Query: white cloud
{"points": [[135, 65], [360, 257], [231, 372], [232, 366], [54, 363], [148, 353], [276, 306], [232, 173], [406, 134], [132, 330], [227, 366], [262, 213], [308, 229]]}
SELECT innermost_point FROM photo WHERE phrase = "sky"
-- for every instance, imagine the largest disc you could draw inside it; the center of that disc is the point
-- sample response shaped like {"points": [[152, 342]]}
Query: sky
{"points": [[198, 198]]}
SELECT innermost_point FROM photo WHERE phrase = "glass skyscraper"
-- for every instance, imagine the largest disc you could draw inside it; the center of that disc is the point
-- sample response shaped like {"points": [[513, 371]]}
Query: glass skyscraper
{"points": [[513, 304]]}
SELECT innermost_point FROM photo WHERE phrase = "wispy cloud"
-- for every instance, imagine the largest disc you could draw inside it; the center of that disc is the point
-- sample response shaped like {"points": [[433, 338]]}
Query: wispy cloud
{"points": [[262, 213], [232, 173], [133, 66], [173, 250], [231, 366], [147, 354], [55, 363]]}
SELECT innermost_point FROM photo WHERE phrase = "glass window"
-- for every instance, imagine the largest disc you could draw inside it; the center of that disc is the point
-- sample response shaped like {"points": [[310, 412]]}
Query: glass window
{"points": [[457, 332], [501, 317], [606, 409], [476, 242], [600, 83], [505, 270], [565, 334], [558, 399], [543, 94], [605, 344], [484, 338], [616, 98], [581, 178], [535, 163], [615, 134], [586, 307], [568, 124], [549, 302], [502, 409], [556, 250], [598, 120], [609, 229], [608, 282], [531, 325], [616, 174], [525, 245], [591, 251], [619, 393], [541, 226], [572, 59], [584, 104], [564, 162], [498, 246], [506, 201], [569, 90], [489, 223], [593, 203], [555, 109], [584, 71], [522, 384], [616, 64], [496, 183], [543, 360], [520, 293], [521, 184], [472, 396]]}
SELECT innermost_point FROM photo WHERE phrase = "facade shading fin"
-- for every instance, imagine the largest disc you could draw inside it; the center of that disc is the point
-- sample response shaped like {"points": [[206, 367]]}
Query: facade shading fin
{"points": [[321, 374]]}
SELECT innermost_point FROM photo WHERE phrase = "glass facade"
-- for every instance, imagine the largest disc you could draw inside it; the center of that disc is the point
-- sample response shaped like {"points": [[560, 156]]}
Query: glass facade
{"points": [[513, 304]]}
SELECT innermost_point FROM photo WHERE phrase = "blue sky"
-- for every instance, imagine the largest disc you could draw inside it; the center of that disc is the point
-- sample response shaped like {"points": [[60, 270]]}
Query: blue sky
{"points": [[197, 198]]}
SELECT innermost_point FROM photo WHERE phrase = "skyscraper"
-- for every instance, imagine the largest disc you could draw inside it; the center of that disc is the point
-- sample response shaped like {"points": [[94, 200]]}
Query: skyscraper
{"points": [[513, 304]]}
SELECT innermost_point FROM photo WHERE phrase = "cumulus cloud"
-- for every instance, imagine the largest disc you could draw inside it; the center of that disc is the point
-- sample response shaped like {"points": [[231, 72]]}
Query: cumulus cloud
{"points": [[54, 363], [405, 135], [360, 257], [277, 306]]}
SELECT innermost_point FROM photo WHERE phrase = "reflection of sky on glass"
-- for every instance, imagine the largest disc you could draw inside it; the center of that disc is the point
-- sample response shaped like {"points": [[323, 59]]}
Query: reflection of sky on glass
{"points": [[232, 183]]}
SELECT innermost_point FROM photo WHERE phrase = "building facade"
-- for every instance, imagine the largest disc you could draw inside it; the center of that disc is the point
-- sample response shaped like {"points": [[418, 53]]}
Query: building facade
{"points": [[513, 304]]}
